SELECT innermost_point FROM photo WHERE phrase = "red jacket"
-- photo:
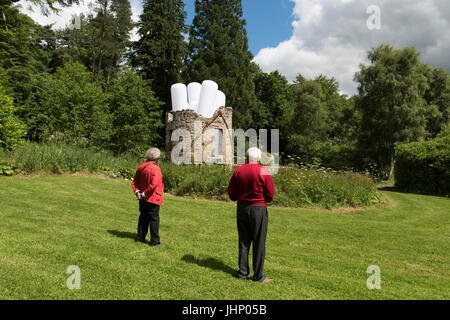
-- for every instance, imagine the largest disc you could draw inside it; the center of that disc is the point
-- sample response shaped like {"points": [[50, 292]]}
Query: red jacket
{"points": [[148, 179], [251, 184]]}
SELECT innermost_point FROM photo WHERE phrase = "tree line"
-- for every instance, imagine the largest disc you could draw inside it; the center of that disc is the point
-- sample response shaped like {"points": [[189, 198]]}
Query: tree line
{"points": [[94, 87]]}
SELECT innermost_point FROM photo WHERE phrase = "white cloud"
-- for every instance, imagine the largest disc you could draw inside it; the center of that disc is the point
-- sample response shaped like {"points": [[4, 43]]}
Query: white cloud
{"points": [[332, 38]]}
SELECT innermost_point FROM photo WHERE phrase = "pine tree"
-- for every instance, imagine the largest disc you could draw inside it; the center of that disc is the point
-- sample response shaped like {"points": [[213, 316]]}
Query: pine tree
{"points": [[218, 50], [160, 52], [21, 50], [113, 25], [101, 41]]}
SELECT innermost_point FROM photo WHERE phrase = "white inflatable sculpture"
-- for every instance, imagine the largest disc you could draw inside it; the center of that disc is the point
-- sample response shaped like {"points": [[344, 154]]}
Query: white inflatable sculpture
{"points": [[203, 98]]}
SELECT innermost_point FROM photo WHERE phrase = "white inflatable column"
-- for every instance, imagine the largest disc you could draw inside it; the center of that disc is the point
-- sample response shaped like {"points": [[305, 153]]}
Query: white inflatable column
{"points": [[179, 97], [206, 104], [194, 89]]}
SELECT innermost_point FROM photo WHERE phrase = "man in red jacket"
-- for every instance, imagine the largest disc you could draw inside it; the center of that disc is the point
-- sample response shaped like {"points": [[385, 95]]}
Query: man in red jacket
{"points": [[148, 187], [252, 187]]}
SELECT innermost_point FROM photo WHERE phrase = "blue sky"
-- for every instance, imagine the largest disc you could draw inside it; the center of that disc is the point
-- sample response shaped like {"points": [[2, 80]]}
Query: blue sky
{"points": [[268, 21]]}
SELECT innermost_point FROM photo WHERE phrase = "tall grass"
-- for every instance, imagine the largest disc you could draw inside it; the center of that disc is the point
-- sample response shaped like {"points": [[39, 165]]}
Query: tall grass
{"points": [[294, 187], [299, 187], [60, 158]]}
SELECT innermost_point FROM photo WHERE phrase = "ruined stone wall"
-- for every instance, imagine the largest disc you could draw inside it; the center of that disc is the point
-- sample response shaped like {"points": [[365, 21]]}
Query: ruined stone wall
{"points": [[201, 136]]}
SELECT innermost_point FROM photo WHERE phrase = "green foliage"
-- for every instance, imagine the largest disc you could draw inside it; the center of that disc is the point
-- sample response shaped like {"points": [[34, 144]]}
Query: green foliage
{"points": [[424, 166], [136, 114], [308, 124], [320, 187], [68, 102], [334, 155], [8, 170], [197, 181], [218, 50], [127, 173], [12, 130], [274, 94], [21, 51], [111, 27], [438, 101], [323, 126], [48, 6], [161, 50], [99, 43], [390, 97]]}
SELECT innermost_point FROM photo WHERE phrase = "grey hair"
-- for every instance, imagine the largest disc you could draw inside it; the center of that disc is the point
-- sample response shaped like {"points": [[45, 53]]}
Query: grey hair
{"points": [[153, 154], [254, 154]]}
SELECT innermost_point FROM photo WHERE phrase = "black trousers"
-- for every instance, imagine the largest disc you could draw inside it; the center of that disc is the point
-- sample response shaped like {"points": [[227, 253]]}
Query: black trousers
{"points": [[252, 228], [149, 216]]}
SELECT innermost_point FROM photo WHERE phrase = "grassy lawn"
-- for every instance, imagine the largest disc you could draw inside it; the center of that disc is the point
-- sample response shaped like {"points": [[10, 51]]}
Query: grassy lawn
{"points": [[50, 223]]}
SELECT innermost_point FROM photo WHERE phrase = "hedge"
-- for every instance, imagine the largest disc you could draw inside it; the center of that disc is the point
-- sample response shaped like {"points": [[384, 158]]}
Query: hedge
{"points": [[424, 166]]}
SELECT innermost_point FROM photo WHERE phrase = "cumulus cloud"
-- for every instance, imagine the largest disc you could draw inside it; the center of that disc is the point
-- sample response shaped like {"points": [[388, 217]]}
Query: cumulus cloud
{"points": [[332, 37]]}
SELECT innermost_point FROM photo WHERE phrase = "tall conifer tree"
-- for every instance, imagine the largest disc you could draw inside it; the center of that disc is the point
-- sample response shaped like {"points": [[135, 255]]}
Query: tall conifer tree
{"points": [[218, 50], [114, 24], [160, 52]]}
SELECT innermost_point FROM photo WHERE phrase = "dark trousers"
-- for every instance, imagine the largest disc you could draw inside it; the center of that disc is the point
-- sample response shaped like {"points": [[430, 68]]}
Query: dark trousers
{"points": [[149, 216], [252, 228]]}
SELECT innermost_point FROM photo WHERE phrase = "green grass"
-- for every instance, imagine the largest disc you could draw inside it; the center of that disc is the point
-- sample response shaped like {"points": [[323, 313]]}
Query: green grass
{"points": [[49, 223]]}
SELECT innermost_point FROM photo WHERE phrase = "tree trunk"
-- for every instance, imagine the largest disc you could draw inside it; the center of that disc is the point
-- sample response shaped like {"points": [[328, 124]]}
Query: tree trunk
{"points": [[4, 19], [391, 171], [102, 37], [93, 54], [109, 68]]}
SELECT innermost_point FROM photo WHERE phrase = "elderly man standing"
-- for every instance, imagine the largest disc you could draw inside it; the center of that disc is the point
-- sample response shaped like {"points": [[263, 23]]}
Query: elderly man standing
{"points": [[148, 187], [252, 187]]}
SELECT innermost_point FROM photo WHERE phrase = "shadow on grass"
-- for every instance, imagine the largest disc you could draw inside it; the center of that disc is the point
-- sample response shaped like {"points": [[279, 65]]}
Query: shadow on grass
{"points": [[388, 188], [211, 263], [123, 234], [398, 190]]}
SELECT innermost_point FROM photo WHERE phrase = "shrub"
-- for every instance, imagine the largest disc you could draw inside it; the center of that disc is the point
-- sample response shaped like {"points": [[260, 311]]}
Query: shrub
{"points": [[136, 114], [11, 129], [322, 187], [424, 166], [69, 104], [7, 169]]}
